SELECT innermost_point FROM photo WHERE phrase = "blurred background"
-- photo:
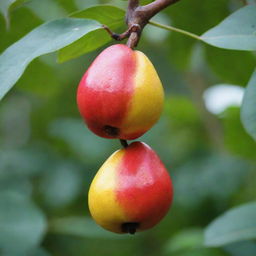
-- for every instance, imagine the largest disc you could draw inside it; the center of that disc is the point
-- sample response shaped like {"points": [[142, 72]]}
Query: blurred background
{"points": [[48, 157]]}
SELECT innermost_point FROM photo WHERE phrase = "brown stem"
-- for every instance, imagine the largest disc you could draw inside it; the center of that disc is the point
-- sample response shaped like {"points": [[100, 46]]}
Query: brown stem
{"points": [[133, 40], [127, 33], [124, 143], [137, 18], [156, 6], [132, 4], [141, 15]]}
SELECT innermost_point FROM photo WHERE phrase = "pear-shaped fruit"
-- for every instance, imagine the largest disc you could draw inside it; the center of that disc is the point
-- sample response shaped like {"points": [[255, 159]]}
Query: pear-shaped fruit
{"points": [[120, 95], [132, 191]]}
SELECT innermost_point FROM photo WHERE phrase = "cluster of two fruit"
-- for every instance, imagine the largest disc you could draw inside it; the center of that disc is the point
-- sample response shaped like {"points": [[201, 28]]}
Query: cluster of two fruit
{"points": [[121, 96]]}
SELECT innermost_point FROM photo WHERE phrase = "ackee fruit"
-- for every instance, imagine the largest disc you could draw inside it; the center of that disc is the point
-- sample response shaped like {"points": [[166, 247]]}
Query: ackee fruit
{"points": [[120, 95], [132, 191]]}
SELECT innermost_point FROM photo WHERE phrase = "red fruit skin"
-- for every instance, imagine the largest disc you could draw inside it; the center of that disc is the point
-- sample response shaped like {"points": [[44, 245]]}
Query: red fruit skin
{"points": [[144, 187], [104, 96]]}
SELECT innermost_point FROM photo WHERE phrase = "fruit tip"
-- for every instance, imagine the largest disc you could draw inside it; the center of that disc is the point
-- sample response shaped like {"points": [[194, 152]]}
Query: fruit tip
{"points": [[130, 227], [111, 131]]}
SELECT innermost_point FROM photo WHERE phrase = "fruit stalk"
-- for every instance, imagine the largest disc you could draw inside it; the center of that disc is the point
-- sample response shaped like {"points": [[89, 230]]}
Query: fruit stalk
{"points": [[137, 17], [124, 143], [140, 15]]}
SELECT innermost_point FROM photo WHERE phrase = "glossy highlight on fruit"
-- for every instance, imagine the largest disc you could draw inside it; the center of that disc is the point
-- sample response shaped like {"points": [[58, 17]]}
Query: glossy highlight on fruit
{"points": [[132, 191], [120, 95]]}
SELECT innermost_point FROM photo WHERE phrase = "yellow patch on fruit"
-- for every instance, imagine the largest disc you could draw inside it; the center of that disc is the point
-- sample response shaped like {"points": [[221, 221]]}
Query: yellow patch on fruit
{"points": [[148, 96], [103, 205]]}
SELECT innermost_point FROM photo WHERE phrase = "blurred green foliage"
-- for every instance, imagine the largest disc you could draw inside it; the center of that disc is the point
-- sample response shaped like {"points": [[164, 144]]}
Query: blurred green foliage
{"points": [[48, 157]]}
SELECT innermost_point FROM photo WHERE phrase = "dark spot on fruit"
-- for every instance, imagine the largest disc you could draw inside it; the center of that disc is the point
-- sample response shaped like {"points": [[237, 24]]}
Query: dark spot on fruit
{"points": [[111, 131], [130, 227]]}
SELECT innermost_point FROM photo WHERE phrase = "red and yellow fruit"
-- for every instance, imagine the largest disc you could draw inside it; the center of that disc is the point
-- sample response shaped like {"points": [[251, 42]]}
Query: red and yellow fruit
{"points": [[132, 191], [120, 95]]}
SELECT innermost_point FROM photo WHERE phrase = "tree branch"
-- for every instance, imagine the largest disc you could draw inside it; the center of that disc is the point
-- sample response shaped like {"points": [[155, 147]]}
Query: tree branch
{"points": [[137, 17], [140, 16], [133, 4], [157, 6]]}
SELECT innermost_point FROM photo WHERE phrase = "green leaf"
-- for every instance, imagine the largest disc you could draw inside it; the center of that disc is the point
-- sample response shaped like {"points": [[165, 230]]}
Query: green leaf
{"points": [[180, 46], [23, 162], [16, 184], [6, 6], [234, 67], [22, 22], [248, 111], [201, 175], [108, 15], [47, 38], [238, 31], [81, 141], [22, 224], [185, 240], [60, 185], [201, 252], [33, 252], [88, 43], [237, 224], [80, 226], [47, 9], [105, 14], [245, 248], [236, 138]]}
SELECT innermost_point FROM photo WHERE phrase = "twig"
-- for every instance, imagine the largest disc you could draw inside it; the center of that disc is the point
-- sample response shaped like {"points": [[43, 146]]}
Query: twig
{"points": [[137, 17], [124, 143], [141, 15], [157, 6], [126, 34], [132, 4]]}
